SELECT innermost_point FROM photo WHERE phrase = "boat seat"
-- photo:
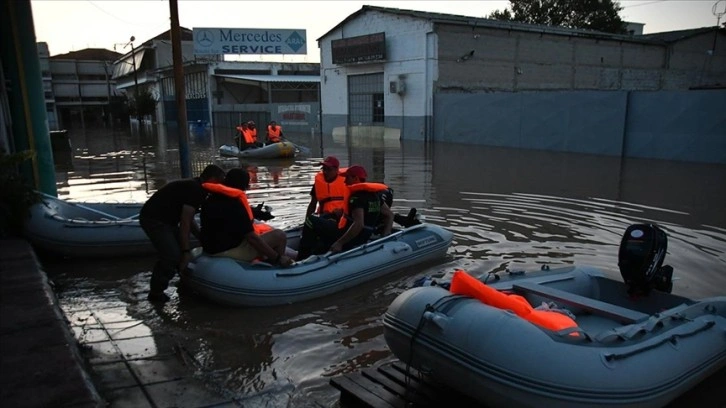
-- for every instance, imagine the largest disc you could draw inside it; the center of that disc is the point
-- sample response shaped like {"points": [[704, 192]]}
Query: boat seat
{"points": [[618, 313]]}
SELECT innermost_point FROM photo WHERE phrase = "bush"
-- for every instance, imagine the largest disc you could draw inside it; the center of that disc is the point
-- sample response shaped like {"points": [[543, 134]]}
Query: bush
{"points": [[16, 194], [145, 105]]}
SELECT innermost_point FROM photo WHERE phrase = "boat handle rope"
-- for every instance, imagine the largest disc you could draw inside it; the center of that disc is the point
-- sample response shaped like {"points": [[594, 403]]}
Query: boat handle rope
{"points": [[355, 252], [429, 310], [609, 357], [631, 331], [83, 223], [93, 210]]}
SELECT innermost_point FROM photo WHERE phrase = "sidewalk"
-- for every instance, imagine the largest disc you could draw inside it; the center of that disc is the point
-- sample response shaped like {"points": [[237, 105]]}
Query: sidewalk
{"points": [[89, 357], [40, 364]]}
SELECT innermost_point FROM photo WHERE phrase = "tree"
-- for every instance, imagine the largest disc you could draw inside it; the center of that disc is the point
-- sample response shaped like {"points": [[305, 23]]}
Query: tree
{"points": [[598, 15], [146, 104]]}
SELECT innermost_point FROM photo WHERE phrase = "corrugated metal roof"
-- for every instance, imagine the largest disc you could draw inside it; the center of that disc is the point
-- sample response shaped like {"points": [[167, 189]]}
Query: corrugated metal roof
{"points": [[273, 78], [125, 66]]}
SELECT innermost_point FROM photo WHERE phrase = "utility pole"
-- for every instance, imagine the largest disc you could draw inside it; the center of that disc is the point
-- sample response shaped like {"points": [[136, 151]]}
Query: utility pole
{"points": [[136, 81], [180, 92]]}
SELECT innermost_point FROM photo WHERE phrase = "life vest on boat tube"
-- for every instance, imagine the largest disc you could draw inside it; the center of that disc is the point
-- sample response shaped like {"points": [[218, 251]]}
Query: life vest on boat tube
{"points": [[464, 284], [259, 227]]}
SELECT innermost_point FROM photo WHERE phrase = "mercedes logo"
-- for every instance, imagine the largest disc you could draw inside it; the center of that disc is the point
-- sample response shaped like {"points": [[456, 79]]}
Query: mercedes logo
{"points": [[204, 38]]}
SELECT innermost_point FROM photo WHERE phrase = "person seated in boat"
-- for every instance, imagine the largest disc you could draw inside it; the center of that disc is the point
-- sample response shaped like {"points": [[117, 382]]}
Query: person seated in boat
{"points": [[328, 192], [239, 139], [363, 211], [252, 131], [327, 203], [167, 218], [247, 137], [274, 133], [228, 227]]}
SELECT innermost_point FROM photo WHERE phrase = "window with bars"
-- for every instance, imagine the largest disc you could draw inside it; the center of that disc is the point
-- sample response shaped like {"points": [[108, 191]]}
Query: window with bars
{"points": [[365, 99]]}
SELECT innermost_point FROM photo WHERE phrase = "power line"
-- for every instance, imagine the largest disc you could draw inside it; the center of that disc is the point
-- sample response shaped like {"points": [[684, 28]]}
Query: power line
{"points": [[137, 24], [642, 4]]}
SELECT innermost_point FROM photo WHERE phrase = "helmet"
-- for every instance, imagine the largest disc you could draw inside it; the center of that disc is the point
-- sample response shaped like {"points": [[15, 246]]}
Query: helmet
{"points": [[640, 258]]}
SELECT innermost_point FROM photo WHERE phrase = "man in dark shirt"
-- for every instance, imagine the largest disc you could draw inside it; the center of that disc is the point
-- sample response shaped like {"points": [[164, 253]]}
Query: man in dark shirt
{"points": [[365, 210], [167, 218], [227, 228]]}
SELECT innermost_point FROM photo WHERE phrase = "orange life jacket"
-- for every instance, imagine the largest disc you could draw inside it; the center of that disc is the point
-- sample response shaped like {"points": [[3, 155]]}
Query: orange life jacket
{"points": [[330, 196], [250, 135], [370, 187], [464, 284], [273, 133], [259, 227]]}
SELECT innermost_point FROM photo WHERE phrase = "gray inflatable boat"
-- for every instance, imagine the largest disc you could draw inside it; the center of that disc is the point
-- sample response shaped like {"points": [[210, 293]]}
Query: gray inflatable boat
{"points": [[630, 344]]}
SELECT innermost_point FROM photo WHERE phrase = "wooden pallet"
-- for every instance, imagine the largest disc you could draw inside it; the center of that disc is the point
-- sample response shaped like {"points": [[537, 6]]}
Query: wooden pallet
{"points": [[393, 385]]}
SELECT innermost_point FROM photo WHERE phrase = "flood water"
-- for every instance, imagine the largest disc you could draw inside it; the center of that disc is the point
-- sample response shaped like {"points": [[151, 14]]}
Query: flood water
{"points": [[509, 209]]}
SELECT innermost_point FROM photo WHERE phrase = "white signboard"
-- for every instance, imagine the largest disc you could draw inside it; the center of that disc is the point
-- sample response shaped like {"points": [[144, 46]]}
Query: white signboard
{"points": [[214, 41]]}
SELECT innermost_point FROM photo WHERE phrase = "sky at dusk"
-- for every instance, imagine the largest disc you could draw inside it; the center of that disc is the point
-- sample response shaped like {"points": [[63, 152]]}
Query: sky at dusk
{"points": [[74, 25]]}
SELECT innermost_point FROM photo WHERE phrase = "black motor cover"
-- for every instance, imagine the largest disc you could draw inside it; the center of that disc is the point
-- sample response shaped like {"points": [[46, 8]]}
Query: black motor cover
{"points": [[642, 251]]}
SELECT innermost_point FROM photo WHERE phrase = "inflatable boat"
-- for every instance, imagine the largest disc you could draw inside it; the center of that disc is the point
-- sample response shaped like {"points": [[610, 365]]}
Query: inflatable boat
{"points": [[278, 150], [567, 337], [227, 281], [86, 230]]}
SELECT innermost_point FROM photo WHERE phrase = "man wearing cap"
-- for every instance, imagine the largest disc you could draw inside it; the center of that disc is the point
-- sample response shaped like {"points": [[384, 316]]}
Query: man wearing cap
{"points": [[328, 196], [365, 211], [362, 212], [328, 192], [228, 228]]}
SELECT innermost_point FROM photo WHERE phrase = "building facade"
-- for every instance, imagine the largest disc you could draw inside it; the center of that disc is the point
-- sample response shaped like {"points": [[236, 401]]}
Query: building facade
{"points": [[430, 76], [50, 108], [221, 94], [82, 87]]}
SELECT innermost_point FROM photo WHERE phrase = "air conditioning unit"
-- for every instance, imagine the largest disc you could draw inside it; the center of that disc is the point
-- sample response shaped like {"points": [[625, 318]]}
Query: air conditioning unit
{"points": [[397, 87]]}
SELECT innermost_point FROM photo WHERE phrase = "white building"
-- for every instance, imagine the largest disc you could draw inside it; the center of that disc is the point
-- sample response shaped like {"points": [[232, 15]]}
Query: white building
{"points": [[82, 87], [430, 76]]}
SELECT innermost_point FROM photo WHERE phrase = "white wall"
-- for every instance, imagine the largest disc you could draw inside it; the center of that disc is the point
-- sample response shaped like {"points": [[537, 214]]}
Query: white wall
{"points": [[407, 45]]}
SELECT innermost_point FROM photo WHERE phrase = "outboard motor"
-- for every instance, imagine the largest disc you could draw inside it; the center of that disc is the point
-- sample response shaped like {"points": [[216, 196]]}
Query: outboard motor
{"points": [[641, 255]]}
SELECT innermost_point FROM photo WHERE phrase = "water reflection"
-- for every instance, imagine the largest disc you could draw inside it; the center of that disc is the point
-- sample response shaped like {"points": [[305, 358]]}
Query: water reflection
{"points": [[508, 209]]}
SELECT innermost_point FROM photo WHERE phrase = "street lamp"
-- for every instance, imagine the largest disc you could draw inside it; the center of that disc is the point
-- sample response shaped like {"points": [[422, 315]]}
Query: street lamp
{"points": [[136, 80]]}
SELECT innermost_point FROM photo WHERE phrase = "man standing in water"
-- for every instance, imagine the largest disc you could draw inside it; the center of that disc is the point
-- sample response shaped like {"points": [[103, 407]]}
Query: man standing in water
{"points": [[167, 218]]}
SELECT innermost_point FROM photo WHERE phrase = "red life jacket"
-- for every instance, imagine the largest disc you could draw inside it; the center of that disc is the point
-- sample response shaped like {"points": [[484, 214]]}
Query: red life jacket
{"points": [[259, 227], [330, 196], [370, 187]]}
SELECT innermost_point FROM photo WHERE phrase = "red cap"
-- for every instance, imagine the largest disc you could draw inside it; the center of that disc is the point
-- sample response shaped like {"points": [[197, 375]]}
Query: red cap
{"points": [[357, 171], [330, 161]]}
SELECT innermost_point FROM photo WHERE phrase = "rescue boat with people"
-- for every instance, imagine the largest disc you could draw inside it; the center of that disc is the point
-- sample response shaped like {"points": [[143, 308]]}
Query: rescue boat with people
{"points": [[86, 230], [278, 150], [566, 337], [227, 281]]}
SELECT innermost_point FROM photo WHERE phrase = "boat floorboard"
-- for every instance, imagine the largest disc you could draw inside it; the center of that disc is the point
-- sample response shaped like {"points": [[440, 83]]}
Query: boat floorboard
{"points": [[393, 385]]}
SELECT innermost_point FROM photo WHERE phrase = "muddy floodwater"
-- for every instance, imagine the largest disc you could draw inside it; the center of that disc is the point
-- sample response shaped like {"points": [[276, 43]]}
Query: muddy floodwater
{"points": [[508, 209]]}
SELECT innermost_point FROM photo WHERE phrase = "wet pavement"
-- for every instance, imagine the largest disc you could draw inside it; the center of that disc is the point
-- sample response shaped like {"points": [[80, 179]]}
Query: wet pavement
{"points": [[85, 358]]}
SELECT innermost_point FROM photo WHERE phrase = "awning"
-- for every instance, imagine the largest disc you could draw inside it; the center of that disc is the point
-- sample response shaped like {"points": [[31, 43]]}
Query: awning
{"points": [[129, 82], [269, 78], [125, 66]]}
